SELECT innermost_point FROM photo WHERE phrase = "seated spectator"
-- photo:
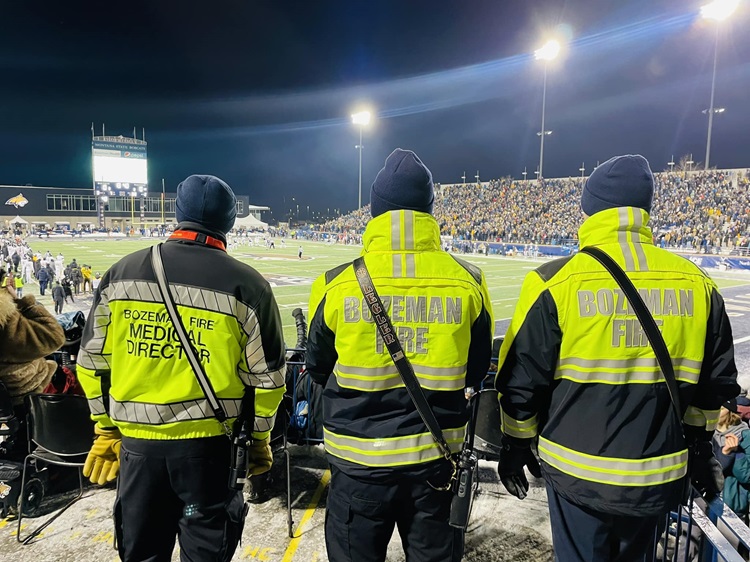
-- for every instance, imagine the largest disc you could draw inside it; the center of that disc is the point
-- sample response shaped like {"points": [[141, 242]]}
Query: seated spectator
{"points": [[743, 406], [731, 443], [28, 333]]}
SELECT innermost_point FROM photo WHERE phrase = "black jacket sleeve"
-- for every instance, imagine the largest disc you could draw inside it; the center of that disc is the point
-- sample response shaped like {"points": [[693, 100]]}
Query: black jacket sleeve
{"points": [[480, 349], [718, 378], [525, 376], [321, 355]]}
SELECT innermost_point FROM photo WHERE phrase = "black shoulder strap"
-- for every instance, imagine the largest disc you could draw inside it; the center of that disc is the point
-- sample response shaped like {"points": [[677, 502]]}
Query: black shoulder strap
{"points": [[187, 345], [383, 323], [645, 318]]}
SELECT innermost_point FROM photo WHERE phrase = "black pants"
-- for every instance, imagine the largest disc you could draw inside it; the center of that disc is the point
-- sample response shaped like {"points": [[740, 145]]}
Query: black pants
{"points": [[171, 488], [58, 306], [580, 534], [360, 517]]}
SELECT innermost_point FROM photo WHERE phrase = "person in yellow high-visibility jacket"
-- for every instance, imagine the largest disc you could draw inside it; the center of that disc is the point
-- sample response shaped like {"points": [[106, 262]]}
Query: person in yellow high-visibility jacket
{"points": [[578, 374], [386, 469], [154, 422]]}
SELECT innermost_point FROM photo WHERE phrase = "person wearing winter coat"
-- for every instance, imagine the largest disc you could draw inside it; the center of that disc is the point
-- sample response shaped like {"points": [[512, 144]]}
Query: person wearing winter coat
{"points": [[44, 277], [6, 282], [28, 333], [731, 444], [58, 295], [67, 288], [76, 277]]}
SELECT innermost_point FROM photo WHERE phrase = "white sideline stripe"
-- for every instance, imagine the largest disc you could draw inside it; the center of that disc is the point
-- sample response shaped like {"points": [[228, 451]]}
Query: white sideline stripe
{"points": [[742, 340]]}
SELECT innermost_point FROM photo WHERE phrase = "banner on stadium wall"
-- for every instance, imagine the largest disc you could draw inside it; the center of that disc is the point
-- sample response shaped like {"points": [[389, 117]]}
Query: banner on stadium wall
{"points": [[118, 149], [718, 262]]}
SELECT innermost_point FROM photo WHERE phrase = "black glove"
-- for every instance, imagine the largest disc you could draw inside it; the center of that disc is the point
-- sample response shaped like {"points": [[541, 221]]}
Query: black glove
{"points": [[513, 457], [705, 470]]}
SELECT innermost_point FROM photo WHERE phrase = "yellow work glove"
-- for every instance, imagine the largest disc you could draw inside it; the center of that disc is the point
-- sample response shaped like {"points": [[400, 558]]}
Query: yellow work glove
{"points": [[103, 462], [259, 457]]}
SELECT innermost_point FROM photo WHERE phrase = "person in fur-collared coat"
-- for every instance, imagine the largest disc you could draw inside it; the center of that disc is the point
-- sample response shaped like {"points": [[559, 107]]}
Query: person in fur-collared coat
{"points": [[28, 332]]}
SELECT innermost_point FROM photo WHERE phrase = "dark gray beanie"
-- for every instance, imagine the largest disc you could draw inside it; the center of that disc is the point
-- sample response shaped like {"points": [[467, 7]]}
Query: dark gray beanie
{"points": [[208, 201], [622, 181], [403, 183]]}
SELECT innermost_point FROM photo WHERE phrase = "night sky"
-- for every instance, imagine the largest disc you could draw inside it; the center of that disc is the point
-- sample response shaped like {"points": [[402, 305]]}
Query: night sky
{"points": [[260, 93]]}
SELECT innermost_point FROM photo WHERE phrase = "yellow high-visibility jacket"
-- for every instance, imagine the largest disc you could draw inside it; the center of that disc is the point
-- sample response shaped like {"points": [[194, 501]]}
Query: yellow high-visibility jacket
{"points": [[440, 308], [577, 370], [132, 366]]}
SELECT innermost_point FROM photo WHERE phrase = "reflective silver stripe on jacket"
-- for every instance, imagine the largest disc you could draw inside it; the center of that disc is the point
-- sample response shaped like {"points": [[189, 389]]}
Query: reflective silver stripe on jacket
{"points": [[613, 471], [515, 428], [644, 370], [157, 414], [214, 301], [372, 379], [96, 406], [263, 424], [701, 418], [392, 451], [628, 232], [90, 356]]}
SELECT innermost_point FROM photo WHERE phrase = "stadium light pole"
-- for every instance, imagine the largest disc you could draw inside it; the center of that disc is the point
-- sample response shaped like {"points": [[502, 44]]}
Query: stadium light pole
{"points": [[524, 174], [464, 178], [671, 164], [582, 169], [163, 194], [362, 119], [546, 53], [718, 10]]}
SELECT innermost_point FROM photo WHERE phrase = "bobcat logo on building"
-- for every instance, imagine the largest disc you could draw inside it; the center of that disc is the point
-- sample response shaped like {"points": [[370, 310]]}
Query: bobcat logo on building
{"points": [[18, 201]]}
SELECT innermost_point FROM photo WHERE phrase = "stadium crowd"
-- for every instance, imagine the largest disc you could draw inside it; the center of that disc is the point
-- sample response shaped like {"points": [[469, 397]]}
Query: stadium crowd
{"points": [[700, 211]]}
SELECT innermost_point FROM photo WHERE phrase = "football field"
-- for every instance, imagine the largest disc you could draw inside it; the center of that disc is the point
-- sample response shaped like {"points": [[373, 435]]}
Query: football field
{"points": [[291, 277]]}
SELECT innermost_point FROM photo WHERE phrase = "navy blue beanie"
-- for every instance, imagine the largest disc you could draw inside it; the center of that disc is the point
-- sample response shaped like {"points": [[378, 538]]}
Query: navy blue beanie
{"points": [[208, 201], [403, 183], [622, 181]]}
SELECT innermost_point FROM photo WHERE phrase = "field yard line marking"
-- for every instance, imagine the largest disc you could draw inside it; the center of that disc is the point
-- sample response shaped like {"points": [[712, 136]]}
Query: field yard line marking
{"points": [[741, 340], [309, 512]]}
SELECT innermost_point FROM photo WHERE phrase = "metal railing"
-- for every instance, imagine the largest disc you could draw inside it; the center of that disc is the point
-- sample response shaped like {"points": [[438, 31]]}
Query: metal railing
{"points": [[705, 531]]}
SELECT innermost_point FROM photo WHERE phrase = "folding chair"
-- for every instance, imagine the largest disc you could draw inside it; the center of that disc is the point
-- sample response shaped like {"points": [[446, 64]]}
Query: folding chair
{"points": [[61, 433]]}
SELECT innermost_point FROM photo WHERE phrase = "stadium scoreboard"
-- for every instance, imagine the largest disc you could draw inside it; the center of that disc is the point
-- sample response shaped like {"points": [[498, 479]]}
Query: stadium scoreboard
{"points": [[120, 165]]}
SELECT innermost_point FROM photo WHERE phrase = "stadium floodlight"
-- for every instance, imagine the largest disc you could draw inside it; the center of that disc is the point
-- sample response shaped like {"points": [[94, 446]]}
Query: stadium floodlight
{"points": [[719, 10], [361, 118], [546, 53]]}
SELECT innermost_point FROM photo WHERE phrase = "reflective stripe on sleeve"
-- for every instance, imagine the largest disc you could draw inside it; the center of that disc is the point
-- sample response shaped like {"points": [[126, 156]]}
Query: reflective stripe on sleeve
{"points": [[613, 471], [517, 428], [96, 406], [644, 370], [263, 424], [391, 451], [374, 379], [158, 414], [697, 417]]}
